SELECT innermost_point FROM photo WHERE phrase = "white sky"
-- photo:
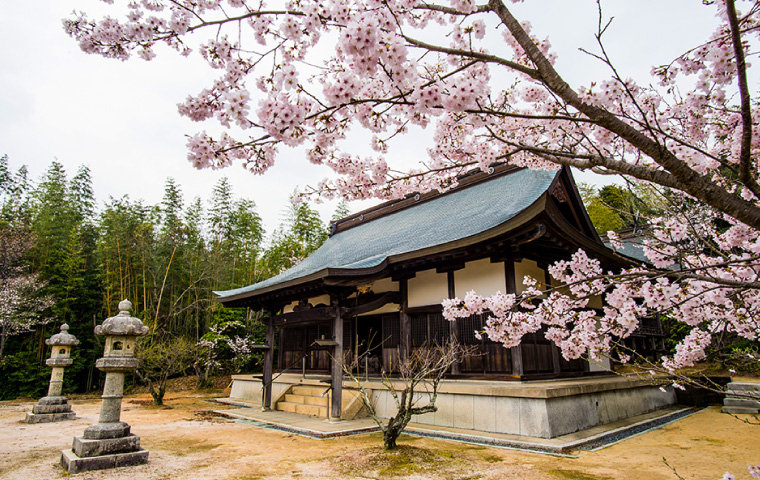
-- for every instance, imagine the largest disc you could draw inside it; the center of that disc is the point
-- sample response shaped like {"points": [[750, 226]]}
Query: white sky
{"points": [[121, 119]]}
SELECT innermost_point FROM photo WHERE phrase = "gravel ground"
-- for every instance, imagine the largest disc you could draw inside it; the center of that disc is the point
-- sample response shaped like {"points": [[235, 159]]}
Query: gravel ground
{"points": [[187, 442]]}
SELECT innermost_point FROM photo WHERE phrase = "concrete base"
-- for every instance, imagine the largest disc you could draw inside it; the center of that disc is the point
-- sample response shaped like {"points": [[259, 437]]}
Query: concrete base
{"points": [[50, 417], [73, 463], [544, 409]]}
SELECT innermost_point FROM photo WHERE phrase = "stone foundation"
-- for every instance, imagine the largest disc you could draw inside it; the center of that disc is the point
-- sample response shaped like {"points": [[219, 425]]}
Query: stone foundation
{"points": [[75, 464], [544, 409], [104, 448], [51, 409]]}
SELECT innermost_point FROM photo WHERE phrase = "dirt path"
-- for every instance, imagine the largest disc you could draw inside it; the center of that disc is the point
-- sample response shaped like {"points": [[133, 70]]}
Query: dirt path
{"points": [[186, 443]]}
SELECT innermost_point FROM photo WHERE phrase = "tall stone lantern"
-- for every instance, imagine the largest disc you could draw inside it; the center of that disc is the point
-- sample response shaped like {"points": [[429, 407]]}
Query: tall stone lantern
{"points": [[54, 407], [109, 443]]}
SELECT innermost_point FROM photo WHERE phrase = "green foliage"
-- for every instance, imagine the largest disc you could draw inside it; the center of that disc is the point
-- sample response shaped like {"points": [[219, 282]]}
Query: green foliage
{"points": [[300, 234], [613, 207], [167, 259], [162, 358], [743, 357], [23, 371]]}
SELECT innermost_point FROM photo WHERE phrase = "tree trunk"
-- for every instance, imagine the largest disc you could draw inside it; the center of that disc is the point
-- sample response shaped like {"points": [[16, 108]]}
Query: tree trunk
{"points": [[3, 336], [395, 426], [157, 394]]}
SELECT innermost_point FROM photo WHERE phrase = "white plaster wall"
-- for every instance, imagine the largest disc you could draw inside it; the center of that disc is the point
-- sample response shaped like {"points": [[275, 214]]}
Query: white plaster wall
{"points": [[484, 277], [527, 267], [387, 308], [428, 288], [325, 299], [385, 285]]}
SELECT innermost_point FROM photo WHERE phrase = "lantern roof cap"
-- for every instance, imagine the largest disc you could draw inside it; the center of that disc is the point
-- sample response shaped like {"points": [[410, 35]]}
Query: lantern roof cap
{"points": [[123, 323], [63, 338]]}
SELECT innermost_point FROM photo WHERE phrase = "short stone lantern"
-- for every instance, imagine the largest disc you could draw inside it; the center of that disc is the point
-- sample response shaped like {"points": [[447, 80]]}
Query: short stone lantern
{"points": [[54, 407], [109, 443]]}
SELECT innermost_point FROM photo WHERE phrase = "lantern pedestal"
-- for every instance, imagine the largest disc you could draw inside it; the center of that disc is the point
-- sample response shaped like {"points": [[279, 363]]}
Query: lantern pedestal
{"points": [[99, 459], [50, 409]]}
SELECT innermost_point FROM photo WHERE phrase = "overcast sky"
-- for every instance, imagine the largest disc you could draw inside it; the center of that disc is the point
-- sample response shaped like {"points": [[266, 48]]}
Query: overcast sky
{"points": [[120, 118]]}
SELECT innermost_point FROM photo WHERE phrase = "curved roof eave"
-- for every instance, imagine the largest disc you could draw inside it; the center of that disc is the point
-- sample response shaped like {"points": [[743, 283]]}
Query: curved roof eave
{"points": [[497, 206], [520, 219]]}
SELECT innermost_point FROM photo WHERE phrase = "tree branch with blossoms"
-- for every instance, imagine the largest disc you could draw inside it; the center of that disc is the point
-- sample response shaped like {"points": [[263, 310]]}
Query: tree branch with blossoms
{"points": [[487, 89]]}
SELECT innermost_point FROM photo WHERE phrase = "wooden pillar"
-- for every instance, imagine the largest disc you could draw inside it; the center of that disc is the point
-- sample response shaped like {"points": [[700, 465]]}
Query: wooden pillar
{"points": [[404, 321], [555, 349], [266, 402], [453, 325], [516, 352], [337, 363]]}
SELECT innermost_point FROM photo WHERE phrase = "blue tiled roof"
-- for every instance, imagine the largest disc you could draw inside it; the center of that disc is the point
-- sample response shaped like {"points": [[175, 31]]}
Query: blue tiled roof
{"points": [[459, 214], [632, 248]]}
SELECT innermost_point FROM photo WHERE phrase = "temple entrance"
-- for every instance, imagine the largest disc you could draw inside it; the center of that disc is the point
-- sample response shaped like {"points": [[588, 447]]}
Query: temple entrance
{"points": [[368, 343]]}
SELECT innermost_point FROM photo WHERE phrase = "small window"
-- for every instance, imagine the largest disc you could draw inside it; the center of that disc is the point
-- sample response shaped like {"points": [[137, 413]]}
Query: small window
{"points": [[62, 351], [118, 346]]}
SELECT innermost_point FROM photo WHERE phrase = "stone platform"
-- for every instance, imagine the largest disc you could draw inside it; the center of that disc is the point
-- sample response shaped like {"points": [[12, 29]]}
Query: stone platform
{"points": [[50, 409], [589, 439], [541, 409]]}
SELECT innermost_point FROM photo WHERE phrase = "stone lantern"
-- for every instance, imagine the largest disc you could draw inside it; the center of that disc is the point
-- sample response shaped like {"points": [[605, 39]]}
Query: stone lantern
{"points": [[54, 407], [109, 443]]}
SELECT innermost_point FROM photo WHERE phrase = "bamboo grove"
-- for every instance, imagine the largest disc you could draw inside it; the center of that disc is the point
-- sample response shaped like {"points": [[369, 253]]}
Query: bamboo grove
{"points": [[167, 259]]}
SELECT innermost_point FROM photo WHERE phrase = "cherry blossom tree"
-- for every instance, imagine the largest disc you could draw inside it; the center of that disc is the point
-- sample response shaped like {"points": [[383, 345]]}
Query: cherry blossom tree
{"points": [[487, 88], [21, 305]]}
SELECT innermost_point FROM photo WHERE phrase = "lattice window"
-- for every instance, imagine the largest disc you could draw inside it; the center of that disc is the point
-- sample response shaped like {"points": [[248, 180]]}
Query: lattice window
{"points": [[419, 326], [347, 335], [440, 328], [292, 338], [391, 331], [466, 328], [312, 333]]}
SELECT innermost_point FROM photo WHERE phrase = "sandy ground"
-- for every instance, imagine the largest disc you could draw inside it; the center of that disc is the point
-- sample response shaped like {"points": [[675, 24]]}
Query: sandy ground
{"points": [[186, 442]]}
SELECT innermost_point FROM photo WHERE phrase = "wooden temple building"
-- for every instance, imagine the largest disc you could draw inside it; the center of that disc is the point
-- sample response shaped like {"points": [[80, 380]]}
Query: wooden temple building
{"points": [[375, 287]]}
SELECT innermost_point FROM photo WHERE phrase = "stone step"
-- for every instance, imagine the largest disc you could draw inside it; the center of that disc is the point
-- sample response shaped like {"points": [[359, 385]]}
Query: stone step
{"points": [[308, 391], [740, 402], [312, 410], [753, 387], [304, 400], [740, 410]]}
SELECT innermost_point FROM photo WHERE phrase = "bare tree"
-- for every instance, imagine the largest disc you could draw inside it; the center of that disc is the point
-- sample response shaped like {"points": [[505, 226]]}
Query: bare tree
{"points": [[415, 380]]}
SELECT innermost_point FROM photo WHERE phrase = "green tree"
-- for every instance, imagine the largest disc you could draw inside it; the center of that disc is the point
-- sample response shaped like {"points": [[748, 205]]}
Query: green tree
{"points": [[300, 234], [161, 359]]}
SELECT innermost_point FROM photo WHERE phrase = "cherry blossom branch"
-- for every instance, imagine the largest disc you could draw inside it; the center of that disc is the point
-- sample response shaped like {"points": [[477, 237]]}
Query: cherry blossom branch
{"points": [[690, 181], [746, 108]]}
